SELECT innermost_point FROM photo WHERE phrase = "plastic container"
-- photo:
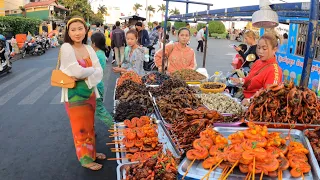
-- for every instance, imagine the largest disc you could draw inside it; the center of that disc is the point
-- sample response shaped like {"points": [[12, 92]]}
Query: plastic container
{"points": [[216, 76]]}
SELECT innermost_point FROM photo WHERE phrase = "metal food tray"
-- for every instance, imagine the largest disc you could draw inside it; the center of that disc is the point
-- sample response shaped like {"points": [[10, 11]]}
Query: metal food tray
{"points": [[163, 136], [115, 90], [197, 171], [121, 172], [313, 157], [286, 125]]}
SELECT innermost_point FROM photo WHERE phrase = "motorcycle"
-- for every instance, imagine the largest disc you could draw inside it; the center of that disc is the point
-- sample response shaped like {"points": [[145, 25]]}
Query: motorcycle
{"points": [[4, 66], [32, 48]]}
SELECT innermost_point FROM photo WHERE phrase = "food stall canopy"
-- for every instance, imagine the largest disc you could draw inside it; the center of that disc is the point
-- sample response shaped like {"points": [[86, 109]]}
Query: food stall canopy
{"points": [[300, 9]]}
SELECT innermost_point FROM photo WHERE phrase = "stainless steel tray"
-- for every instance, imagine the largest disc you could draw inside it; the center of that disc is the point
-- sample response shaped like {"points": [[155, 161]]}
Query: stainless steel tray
{"points": [[163, 136], [197, 172], [286, 125], [121, 172], [313, 158]]}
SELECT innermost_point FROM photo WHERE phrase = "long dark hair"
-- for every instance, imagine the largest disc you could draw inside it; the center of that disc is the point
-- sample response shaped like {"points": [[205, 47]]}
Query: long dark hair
{"points": [[99, 40], [67, 38]]}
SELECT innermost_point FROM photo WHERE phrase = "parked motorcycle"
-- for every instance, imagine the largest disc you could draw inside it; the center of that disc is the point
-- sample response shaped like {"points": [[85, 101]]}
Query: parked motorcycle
{"points": [[32, 48], [4, 66]]}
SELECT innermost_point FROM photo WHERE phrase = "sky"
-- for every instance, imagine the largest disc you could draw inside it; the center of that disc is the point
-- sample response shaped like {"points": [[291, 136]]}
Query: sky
{"points": [[126, 5]]}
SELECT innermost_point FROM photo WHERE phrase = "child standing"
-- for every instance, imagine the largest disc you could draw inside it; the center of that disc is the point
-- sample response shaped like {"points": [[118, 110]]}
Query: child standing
{"points": [[238, 60], [99, 44], [134, 55]]}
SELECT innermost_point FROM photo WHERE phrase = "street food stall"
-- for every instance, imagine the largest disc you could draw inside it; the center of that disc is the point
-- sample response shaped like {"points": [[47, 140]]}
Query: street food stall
{"points": [[166, 127]]}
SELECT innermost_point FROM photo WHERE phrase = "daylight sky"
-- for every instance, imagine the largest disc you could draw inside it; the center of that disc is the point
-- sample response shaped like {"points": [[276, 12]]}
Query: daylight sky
{"points": [[126, 5]]}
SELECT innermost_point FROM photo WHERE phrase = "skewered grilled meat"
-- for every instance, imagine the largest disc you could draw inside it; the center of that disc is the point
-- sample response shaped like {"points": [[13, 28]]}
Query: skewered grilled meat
{"points": [[314, 138]]}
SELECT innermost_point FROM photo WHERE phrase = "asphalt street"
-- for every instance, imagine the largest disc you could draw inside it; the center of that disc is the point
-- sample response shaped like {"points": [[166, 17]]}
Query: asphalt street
{"points": [[35, 135]]}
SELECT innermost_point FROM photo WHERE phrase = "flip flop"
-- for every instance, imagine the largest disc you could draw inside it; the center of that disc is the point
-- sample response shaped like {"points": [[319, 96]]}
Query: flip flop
{"points": [[93, 166]]}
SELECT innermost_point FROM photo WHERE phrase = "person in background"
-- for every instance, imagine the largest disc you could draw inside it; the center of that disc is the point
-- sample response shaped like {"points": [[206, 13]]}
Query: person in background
{"points": [[285, 38], [118, 42], [143, 36], [200, 38], [113, 56], [250, 39], [154, 35], [188, 26], [173, 30], [179, 55], [134, 55], [98, 44], [238, 60], [80, 62], [125, 28], [154, 25], [108, 42], [264, 72]]}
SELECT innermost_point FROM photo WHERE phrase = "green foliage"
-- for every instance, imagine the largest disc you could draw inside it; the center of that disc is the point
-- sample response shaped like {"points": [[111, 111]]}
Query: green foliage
{"points": [[219, 36], [168, 24], [200, 25], [150, 25], [179, 25], [216, 27], [193, 30], [18, 25]]}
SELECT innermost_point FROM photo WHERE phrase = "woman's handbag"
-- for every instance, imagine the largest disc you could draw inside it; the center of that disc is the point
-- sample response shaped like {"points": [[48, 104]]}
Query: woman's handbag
{"points": [[60, 79]]}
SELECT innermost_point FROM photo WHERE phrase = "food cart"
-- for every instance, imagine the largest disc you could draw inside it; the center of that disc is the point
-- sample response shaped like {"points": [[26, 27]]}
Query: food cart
{"points": [[183, 119]]}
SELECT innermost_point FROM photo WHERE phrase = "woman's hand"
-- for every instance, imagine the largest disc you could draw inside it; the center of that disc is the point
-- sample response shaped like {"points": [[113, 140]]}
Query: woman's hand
{"points": [[235, 80], [245, 102], [118, 70]]}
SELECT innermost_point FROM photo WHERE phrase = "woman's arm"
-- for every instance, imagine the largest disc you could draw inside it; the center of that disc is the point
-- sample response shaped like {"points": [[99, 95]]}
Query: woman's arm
{"points": [[69, 64], [158, 55], [97, 75]]}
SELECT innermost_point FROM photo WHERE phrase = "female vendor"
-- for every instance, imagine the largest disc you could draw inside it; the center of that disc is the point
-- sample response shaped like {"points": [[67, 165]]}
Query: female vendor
{"points": [[179, 55], [264, 72]]}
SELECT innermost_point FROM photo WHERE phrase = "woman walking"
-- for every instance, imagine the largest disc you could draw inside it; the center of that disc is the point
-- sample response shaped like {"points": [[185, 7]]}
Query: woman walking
{"points": [[80, 61], [98, 44]]}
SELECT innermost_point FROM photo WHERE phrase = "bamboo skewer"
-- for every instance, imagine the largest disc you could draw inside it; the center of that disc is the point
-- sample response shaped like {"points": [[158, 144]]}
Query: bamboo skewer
{"points": [[112, 159], [225, 170], [235, 164], [119, 151], [188, 168], [254, 168], [248, 176], [302, 176], [212, 169], [261, 176]]}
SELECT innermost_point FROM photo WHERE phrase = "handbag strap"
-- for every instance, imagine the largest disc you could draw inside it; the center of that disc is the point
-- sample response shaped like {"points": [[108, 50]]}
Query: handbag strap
{"points": [[59, 61], [248, 82]]}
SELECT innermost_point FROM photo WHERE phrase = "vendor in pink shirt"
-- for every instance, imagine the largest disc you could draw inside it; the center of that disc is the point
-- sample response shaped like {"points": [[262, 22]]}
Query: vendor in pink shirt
{"points": [[179, 55]]}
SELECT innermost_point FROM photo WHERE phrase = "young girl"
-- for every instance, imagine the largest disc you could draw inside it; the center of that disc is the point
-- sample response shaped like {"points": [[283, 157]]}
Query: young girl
{"points": [[134, 55], [98, 44]]}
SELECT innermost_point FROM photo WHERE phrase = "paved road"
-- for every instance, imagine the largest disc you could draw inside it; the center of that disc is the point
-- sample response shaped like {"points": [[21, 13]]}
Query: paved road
{"points": [[35, 135]]}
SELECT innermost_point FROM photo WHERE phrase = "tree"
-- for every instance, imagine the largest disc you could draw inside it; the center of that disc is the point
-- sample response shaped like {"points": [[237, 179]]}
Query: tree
{"points": [[103, 9], [216, 27], [162, 8], [174, 11], [151, 9], [137, 7], [23, 11]]}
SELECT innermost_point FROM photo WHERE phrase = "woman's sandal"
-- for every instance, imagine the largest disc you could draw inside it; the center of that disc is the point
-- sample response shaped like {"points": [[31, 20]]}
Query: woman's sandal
{"points": [[93, 166], [101, 156]]}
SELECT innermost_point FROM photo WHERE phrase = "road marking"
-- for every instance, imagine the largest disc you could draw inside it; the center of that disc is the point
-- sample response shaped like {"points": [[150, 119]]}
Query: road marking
{"points": [[231, 54], [36, 93], [16, 79], [13, 92], [56, 99]]}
